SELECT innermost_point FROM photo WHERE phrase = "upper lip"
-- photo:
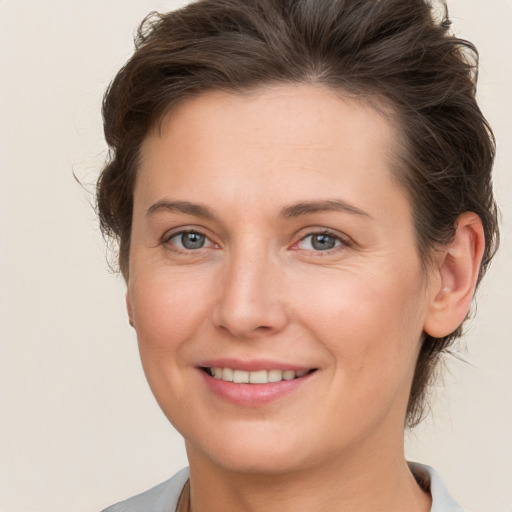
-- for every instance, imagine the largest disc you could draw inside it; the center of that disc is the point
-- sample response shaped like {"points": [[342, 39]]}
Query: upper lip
{"points": [[253, 365]]}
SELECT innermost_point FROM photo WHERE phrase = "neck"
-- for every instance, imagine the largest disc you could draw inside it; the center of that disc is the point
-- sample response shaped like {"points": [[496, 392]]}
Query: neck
{"points": [[379, 481]]}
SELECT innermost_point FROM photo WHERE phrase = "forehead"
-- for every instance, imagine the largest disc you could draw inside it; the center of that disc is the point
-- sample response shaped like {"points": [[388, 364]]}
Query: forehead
{"points": [[273, 143], [301, 113]]}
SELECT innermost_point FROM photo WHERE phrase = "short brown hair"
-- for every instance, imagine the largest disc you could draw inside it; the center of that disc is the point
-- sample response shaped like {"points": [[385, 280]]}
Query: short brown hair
{"points": [[395, 50]]}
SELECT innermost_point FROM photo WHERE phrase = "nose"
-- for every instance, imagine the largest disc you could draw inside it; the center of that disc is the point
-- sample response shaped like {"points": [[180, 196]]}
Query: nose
{"points": [[251, 302]]}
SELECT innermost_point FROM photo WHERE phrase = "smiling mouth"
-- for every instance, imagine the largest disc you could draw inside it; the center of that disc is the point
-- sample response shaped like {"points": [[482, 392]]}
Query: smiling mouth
{"points": [[257, 377]]}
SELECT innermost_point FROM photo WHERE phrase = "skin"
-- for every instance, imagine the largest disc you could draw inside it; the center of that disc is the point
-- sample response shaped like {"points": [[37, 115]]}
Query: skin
{"points": [[259, 289]]}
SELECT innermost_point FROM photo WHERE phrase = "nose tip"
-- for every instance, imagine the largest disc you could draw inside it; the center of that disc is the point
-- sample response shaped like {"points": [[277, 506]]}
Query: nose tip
{"points": [[242, 328], [250, 302]]}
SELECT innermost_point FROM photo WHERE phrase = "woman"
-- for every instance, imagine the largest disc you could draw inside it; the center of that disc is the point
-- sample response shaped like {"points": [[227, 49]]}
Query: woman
{"points": [[301, 191]]}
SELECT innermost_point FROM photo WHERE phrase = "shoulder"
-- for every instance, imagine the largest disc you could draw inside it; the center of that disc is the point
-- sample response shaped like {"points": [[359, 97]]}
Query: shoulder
{"points": [[428, 478], [161, 498]]}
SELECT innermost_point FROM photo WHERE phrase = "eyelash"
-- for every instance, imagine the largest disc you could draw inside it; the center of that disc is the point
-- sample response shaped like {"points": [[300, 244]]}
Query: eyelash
{"points": [[167, 240], [341, 242]]}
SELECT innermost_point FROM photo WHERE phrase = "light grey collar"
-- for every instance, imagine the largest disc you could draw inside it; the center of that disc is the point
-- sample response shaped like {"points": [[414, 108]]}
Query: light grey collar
{"points": [[441, 499]]}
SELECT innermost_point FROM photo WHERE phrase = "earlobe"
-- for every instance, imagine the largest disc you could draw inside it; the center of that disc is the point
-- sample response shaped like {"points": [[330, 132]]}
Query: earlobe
{"points": [[129, 309], [458, 268]]}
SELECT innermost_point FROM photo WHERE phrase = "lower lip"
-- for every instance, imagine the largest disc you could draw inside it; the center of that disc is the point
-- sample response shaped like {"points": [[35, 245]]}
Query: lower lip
{"points": [[252, 395]]}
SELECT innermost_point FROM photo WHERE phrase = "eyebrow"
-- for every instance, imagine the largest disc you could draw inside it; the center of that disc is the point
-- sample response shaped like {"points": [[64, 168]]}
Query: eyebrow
{"points": [[291, 211], [186, 207], [307, 207]]}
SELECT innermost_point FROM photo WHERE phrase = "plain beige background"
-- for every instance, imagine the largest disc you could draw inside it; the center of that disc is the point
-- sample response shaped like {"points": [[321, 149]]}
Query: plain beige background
{"points": [[79, 427]]}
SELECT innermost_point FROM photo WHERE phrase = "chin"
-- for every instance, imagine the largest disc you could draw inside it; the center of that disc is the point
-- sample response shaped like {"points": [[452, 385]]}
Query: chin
{"points": [[257, 454]]}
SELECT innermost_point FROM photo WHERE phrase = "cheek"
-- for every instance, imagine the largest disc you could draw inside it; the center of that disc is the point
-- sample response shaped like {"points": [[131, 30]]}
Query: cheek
{"points": [[167, 313], [370, 322], [167, 310]]}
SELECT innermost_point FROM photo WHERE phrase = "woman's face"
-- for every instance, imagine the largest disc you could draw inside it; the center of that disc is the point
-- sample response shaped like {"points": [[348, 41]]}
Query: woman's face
{"points": [[271, 242]]}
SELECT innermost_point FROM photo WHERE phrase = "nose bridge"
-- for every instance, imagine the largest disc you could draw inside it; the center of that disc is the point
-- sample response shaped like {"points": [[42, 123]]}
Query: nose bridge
{"points": [[250, 302]]}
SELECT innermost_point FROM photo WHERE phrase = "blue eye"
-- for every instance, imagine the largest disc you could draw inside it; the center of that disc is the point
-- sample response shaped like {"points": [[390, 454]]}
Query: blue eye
{"points": [[319, 242], [189, 240]]}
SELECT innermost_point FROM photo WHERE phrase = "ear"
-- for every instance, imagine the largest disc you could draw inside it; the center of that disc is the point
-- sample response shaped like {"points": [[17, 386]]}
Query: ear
{"points": [[457, 272], [129, 309]]}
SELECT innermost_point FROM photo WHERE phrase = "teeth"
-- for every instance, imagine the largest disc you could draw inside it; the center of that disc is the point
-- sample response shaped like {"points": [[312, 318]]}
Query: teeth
{"points": [[259, 377], [275, 375], [241, 377], [227, 374]]}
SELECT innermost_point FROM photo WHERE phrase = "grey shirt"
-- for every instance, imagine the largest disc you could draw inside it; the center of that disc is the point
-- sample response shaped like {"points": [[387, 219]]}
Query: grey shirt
{"points": [[164, 497]]}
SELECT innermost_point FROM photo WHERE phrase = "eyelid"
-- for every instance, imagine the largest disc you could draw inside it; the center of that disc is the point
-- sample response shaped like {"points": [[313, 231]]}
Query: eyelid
{"points": [[172, 233], [345, 240]]}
